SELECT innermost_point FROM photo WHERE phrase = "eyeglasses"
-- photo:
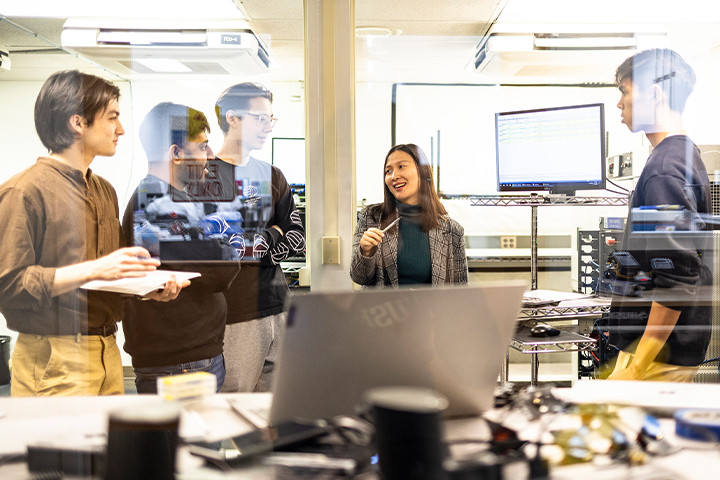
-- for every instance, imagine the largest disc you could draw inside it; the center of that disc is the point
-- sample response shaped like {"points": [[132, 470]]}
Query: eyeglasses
{"points": [[263, 120]]}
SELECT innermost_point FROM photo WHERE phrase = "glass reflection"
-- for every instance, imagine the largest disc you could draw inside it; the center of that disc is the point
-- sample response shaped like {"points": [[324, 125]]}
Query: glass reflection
{"points": [[660, 319]]}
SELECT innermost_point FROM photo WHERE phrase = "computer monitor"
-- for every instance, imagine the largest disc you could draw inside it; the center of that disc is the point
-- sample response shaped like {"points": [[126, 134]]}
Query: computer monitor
{"points": [[288, 154], [560, 149]]}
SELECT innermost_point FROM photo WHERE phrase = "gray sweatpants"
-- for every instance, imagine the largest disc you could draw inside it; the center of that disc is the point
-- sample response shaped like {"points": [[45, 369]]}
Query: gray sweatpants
{"points": [[250, 353]]}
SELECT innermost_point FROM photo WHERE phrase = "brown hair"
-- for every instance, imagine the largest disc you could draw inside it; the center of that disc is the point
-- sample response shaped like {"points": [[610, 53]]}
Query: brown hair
{"points": [[237, 98], [430, 207], [65, 94]]}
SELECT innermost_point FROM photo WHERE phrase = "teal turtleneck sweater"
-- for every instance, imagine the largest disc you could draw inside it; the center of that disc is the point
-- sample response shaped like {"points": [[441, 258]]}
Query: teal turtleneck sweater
{"points": [[413, 260]]}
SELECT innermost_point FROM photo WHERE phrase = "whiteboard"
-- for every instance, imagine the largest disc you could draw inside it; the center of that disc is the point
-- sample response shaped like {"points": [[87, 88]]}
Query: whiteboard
{"points": [[465, 117], [288, 154]]}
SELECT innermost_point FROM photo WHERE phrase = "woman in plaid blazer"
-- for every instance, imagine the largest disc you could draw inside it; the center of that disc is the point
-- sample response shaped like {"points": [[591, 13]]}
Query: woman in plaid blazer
{"points": [[425, 246]]}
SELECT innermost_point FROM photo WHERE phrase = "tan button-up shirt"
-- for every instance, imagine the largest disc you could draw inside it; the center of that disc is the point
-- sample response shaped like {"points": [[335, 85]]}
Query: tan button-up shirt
{"points": [[52, 216]]}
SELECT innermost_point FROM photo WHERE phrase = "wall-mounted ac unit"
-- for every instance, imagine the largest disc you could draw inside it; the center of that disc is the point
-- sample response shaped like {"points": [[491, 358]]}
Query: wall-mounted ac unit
{"points": [[4, 58], [583, 53], [167, 48]]}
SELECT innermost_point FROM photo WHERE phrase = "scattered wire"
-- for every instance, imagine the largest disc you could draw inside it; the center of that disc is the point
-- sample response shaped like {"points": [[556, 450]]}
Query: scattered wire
{"points": [[618, 186], [11, 458], [607, 340]]}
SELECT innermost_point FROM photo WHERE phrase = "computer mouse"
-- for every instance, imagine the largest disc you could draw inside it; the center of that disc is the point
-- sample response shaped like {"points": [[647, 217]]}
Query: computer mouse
{"points": [[544, 331]]}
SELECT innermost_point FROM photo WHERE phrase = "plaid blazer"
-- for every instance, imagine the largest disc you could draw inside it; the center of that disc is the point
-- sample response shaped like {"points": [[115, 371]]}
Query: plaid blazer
{"points": [[447, 253]]}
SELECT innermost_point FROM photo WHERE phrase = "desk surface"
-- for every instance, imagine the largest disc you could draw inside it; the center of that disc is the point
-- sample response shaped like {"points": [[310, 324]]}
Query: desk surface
{"points": [[52, 419], [83, 421], [76, 420]]}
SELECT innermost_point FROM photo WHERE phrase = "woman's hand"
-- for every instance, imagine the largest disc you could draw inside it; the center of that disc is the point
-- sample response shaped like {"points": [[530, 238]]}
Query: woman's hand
{"points": [[370, 240]]}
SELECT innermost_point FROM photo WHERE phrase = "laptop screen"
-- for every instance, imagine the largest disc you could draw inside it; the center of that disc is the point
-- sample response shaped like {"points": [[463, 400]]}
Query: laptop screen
{"points": [[338, 345]]}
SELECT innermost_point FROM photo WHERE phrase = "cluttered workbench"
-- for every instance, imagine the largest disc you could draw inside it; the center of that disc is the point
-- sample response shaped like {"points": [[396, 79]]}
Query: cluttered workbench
{"points": [[597, 429]]}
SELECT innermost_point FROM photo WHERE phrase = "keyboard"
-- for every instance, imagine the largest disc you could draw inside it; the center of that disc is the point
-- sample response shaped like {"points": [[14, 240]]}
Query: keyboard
{"points": [[257, 416]]}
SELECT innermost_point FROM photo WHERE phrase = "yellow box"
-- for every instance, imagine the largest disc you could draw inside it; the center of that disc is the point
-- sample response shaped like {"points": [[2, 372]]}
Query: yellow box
{"points": [[187, 386]]}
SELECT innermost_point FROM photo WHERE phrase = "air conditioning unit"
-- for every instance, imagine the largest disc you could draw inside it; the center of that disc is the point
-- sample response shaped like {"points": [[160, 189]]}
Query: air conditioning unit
{"points": [[4, 59], [171, 48], [575, 52]]}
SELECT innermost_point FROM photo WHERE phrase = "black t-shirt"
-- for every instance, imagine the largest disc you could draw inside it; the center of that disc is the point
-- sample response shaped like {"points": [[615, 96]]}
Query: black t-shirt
{"points": [[261, 198], [679, 261]]}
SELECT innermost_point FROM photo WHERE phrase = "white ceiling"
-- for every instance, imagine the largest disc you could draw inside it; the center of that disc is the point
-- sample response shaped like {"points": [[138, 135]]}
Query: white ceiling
{"points": [[436, 43], [437, 36]]}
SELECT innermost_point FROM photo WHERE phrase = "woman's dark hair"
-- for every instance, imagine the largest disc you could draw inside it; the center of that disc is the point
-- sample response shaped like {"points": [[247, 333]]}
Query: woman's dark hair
{"points": [[238, 98], [430, 207], [65, 94]]}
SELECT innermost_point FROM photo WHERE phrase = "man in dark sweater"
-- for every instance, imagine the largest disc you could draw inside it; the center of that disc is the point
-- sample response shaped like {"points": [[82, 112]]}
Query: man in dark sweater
{"points": [[186, 335], [664, 338]]}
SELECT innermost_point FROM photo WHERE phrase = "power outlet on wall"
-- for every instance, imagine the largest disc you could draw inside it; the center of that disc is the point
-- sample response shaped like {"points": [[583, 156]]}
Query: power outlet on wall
{"points": [[508, 241]]}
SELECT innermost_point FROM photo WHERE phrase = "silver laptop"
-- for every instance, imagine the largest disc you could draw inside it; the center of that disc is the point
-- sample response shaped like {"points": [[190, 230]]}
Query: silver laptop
{"points": [[338, 345]]}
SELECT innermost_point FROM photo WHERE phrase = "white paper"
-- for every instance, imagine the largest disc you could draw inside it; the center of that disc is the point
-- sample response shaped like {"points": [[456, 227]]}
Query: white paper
{"points": [[140, 286]]}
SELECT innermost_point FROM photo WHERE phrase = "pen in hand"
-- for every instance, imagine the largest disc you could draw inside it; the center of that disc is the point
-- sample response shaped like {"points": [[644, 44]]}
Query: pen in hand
{"points": [[392, 224]]}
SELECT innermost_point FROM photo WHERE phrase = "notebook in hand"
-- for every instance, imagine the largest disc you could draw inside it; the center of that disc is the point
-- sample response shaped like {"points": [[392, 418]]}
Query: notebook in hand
{"points": [[154, 280]]}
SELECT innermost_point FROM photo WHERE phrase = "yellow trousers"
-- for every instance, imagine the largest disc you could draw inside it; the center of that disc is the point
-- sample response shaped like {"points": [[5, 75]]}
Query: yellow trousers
{"points": [[65, 365], [659, 372]]}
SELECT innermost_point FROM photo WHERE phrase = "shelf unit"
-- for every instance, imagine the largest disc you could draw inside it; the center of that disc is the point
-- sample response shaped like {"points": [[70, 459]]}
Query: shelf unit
{"points": [[567, 341], [534, 201], [563, 313], [575, 343]]}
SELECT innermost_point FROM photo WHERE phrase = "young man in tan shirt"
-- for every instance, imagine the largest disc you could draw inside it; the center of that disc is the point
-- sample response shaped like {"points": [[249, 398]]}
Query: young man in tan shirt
{"points": [[61, 231]]}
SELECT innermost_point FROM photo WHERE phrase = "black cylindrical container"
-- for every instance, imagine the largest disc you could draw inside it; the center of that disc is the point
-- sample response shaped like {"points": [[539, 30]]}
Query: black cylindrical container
{"points": [[142, 442], [409, 434]]}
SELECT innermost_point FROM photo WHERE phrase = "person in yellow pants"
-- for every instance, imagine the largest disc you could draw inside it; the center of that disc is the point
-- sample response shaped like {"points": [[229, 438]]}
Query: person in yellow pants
{"points": [[664, 333]]}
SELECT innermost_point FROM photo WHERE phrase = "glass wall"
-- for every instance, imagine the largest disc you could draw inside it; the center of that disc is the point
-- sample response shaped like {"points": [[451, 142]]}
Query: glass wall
{"points": [[436, 75], [179, 55], [427, 73]]}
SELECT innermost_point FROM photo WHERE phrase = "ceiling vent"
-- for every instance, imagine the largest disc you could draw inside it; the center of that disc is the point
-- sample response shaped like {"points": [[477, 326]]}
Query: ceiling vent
{"points": [[583, 53], [167, 49]]}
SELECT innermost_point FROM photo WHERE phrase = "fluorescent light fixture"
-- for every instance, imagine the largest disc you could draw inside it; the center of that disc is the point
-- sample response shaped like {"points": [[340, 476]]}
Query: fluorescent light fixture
{"points": [[376, 31], [163, 65], [568, 42], [153, 9], [151, 38]]}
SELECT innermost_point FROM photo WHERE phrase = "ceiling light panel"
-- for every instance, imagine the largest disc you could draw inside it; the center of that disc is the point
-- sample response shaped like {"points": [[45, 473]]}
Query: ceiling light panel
{"points": [[155, 9], [163, 65]]}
